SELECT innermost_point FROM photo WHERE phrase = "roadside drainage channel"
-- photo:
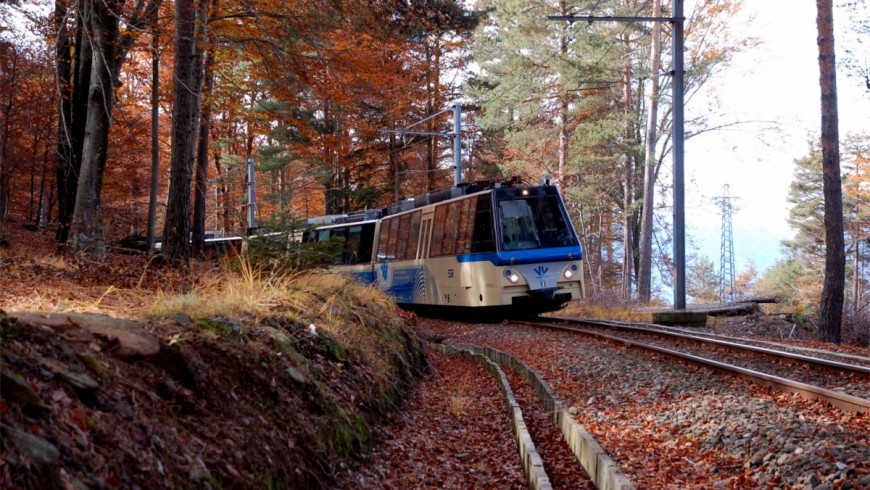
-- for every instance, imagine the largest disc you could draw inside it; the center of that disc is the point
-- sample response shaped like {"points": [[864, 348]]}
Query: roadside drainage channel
{"points": [[602, 470], [533, 466]]}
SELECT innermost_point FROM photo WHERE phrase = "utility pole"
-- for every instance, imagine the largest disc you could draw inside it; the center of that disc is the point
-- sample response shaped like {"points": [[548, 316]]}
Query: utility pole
{"points": [[678, 74], [726, 256]]}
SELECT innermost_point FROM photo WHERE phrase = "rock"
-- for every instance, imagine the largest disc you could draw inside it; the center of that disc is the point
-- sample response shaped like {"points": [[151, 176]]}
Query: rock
{"points": [[94, 365], [297, 376], [132, 340], [756, 459], [198, 474], [16, 388], [284, 342], [40, 451], [181, 318], [220, 325], [78, 380]]}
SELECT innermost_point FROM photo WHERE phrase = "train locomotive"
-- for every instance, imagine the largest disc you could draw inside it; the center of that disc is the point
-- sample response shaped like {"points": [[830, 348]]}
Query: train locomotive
{"points": [[498, 249]]}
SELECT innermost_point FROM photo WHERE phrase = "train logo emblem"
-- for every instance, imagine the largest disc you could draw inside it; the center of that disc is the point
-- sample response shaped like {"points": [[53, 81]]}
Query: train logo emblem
{"points": [[385, 270], [541, 272]]}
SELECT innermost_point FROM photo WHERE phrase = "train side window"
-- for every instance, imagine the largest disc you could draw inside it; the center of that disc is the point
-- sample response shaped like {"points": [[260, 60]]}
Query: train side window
{"points": [[353, 238], [451, 226], [404, 230], [466, 219], [367, 238], [482, 237], [413, 235], [383, 238], [393, 235], [438, 228]]}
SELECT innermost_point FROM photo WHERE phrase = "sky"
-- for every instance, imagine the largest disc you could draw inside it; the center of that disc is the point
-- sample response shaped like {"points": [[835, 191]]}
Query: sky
{"points": [[776, 82]]}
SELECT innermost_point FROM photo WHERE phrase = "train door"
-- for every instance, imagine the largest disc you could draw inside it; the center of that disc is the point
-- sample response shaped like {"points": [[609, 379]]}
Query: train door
{"points": [[425, 239]]}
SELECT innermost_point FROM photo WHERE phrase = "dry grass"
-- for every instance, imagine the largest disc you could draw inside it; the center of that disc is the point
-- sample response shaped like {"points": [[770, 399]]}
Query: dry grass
{"points": [[461, 401], [246, 293], [593, 309]]}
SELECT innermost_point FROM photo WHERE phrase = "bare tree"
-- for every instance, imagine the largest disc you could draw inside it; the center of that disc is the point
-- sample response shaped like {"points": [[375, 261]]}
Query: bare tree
{"points": [[831, 311]]}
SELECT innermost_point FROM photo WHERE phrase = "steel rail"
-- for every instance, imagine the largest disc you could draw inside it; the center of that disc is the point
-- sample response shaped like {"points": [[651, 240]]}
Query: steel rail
{"points": [[839, 400], [834, 365], [665, 328]]}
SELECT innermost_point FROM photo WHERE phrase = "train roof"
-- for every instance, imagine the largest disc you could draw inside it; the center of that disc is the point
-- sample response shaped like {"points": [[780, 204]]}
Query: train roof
{"points": [[415, 202], [448, 193]]}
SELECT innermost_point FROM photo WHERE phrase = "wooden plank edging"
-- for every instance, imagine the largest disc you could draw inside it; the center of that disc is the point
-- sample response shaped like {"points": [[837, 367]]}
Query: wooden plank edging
{"points": [[533, 466], [604, 472]]}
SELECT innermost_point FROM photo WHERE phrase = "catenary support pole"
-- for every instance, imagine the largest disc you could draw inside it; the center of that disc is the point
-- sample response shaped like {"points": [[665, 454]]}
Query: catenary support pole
{"points": [[679, 188], [250, 195], [457, 143]]}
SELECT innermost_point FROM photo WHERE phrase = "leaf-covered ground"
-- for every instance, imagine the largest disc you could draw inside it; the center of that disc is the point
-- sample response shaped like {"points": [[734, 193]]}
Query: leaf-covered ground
{"points": [[668, 425], [284, 397]]}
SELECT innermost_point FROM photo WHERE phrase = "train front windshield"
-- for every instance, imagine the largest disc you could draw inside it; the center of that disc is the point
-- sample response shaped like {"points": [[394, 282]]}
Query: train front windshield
{"points": [[534, 222]]}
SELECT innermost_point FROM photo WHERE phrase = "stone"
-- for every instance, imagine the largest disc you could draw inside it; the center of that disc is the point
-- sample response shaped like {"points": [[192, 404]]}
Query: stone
{"points": [[133, 341], [78, 380], [38, 449], [297, 376], [181, 319], [16, 388]]}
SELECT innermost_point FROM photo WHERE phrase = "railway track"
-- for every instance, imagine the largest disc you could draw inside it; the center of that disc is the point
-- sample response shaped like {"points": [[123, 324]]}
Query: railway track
{"points": [[668, 424], [845, 385]]}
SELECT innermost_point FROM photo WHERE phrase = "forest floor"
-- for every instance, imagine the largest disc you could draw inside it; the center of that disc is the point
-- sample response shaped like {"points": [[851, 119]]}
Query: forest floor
{"points": [[179, 388], [290, 398]]}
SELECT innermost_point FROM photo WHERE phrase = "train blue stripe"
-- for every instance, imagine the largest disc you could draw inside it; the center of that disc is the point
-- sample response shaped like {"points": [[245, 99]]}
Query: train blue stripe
{"points": [[524, 256]]}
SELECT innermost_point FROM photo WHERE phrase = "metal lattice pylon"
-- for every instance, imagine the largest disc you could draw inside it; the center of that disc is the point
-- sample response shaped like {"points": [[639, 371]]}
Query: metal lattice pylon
{"points": [[726, 258]]}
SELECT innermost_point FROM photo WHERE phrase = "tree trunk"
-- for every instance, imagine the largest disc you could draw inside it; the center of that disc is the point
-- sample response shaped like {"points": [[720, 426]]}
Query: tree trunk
{"points": [[67, 169], [4, 174], [831, 311], [644, 275], [40, 212], [628, 181], [91, 119], [87, 228], [155, 135], [201, 189], [185, 119]]}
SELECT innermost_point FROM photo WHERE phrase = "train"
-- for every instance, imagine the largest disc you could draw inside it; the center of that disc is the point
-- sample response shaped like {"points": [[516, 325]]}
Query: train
{"points": [[492, 249]]}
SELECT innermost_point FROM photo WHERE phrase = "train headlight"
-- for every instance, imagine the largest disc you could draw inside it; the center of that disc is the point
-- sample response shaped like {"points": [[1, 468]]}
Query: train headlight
{"points": [[570, 271], [512, 276]]}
